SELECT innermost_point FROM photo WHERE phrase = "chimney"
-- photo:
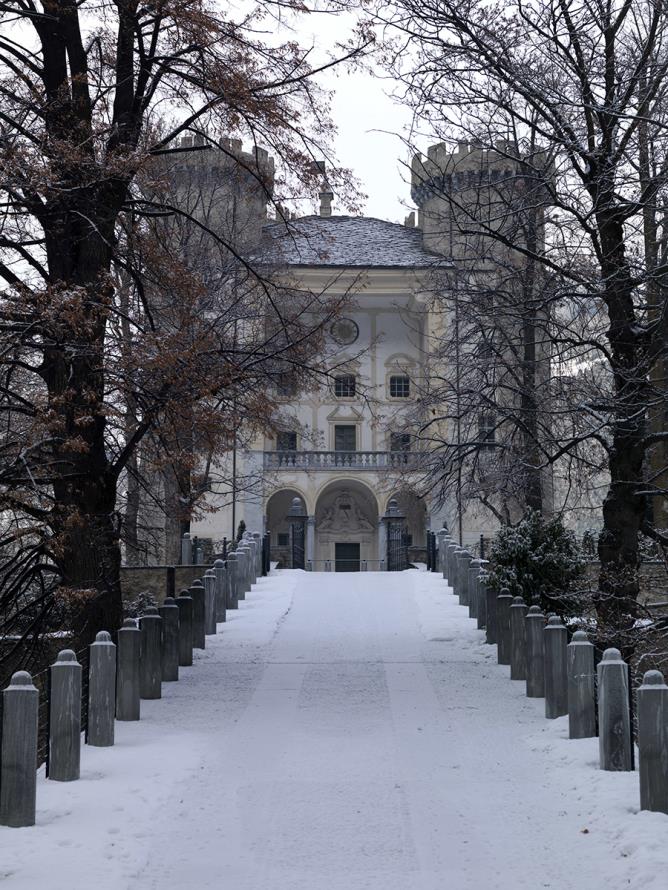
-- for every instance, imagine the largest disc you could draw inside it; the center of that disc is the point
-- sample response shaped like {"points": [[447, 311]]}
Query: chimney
{"points": [[326, 195]]}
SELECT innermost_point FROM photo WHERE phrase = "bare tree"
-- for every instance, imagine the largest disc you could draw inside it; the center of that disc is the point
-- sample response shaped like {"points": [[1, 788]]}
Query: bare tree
{"points": [[576, 92], [83, 91]]}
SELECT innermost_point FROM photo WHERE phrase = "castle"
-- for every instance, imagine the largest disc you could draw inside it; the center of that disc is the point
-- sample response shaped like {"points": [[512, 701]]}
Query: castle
{"points": [[352, 447]]}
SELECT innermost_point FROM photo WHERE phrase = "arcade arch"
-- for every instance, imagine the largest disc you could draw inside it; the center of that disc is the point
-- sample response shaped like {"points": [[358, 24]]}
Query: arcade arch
{"points": [[278, 525], [346, 526]]}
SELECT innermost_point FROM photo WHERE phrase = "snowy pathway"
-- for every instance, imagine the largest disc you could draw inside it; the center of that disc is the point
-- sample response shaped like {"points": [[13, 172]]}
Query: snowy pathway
{"points": [[343, 732]]}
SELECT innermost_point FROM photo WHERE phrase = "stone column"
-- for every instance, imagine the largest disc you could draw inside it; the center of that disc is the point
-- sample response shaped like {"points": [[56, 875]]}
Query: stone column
{"points": [[18, 760], [614, 718], [653, 742], [503, 603], [221, 596], [196, 591], [556, 676], [127, 671], [210, 602], [185, 606], [150, 683], [518, 639], [581, 687], [535, 633], [169, 612], [101, 691], [186, 550], [65, 718]]}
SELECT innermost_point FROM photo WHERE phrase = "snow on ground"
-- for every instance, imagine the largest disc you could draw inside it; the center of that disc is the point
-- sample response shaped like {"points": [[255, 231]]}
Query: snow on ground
{"points": [[342, 731]]}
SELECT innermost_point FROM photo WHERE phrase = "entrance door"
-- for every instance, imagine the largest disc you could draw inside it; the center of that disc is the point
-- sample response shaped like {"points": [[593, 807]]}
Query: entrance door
{"points": [[347, 557]]}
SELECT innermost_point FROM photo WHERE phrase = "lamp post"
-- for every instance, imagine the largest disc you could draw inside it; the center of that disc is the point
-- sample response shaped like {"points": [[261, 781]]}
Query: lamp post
{"points": [[396, 548], [297, 517]]}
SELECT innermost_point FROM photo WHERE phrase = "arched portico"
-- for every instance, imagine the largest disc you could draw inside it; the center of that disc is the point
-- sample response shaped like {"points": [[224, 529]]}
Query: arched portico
{"points": [[346, 526]]}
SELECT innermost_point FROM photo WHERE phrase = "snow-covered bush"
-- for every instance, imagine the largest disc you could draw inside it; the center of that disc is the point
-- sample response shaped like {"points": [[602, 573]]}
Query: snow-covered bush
{"points": [[539, 560], [135, 607]]}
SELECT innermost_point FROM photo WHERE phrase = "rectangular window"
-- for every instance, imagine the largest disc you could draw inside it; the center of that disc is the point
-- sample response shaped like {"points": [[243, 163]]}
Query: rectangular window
{"points": [[400, 386], [286, 441], [345, 438], [400, 442], [283, 539], [487, 429], [344, 386]]}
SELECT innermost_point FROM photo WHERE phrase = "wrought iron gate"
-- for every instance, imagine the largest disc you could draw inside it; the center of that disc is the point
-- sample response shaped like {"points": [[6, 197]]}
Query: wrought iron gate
{"points": [[397, 546]]}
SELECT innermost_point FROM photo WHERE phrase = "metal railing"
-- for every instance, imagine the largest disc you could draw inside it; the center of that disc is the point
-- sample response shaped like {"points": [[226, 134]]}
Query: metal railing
{"points": [[351, 460]]}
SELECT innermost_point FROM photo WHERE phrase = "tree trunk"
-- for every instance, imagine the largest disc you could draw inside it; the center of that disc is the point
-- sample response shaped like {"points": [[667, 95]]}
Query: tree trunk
{"points": [[624, 506]]}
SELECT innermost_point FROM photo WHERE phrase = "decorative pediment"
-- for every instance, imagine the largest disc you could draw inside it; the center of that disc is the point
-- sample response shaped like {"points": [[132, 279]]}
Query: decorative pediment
{"points": [[345, 413], [400, 360]]}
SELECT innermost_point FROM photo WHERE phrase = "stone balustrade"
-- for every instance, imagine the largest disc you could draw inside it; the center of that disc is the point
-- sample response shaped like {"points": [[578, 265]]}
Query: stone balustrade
{"points": [[333, 460]]}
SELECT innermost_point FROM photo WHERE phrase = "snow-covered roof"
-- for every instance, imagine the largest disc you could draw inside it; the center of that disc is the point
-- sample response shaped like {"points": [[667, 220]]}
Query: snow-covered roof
{"points": [[344, 241]]}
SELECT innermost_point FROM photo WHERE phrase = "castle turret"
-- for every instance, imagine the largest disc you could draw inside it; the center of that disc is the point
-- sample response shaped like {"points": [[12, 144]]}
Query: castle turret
{"points": [[224, 187], [467, 196]]}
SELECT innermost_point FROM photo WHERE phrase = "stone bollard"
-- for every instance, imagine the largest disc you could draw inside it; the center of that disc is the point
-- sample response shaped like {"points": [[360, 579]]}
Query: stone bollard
{"points": [[653, 742], [556, 675], [231, 582], [243, 559], [196, 591], [18, 757], [450, 563], [518, 639], [535, 634], [221, 600], [454, 569], [614, 718], [240, 574], [169, 662], [127, 671], [101, 691], [186, 550], [503, 603], [150, 682], [442, 538], [185, 605], [473, 574], [65, 718], [491, 634], [481, 594], [252, 549], [463, 577], [581, 687], [257, 537], [210, 602]]}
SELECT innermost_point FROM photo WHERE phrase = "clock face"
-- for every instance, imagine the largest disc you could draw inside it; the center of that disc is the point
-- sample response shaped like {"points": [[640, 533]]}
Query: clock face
{"points": [[344, 331]]}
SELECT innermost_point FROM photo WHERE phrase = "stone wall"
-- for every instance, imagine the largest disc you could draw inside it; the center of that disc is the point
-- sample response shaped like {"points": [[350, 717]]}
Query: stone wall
{"points": [[153, 580]]}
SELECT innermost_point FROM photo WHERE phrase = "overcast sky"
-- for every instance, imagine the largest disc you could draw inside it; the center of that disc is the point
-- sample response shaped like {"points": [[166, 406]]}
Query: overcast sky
{"points": [[366, 119]]}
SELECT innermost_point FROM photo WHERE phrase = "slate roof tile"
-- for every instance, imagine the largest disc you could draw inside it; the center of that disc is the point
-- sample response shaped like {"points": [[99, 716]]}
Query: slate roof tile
{"points": [[345, 241]]}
